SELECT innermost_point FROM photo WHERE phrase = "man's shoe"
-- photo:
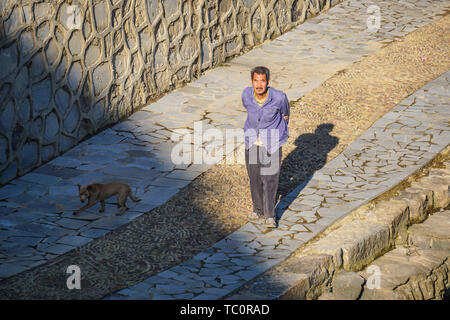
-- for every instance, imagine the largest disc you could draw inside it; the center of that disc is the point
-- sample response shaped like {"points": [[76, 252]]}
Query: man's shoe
{"points": [[253, 216], [270, 222]]}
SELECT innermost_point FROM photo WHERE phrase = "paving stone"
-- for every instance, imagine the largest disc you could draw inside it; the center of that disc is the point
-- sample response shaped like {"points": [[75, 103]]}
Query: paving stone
{"points": [[106, 138], [230, 279], [29, 241], [245, 250], [40, 178], [226, 245], [216, 258], [67, 190], [183, 175], [265, 241], [167, 274], [11, 190], [202, 255], [304, 236], [49, 173], [12, 221], [249, 227], [265, 265], [107, 151], [246, 261], [83, 215], [208, 296], [8, 270], [42, 205], [37, 190], [171, 289], [67, 162], [94, 233], [131, 215], [38, 228], [158, 195], [241, 236], [74, 241], [278, 233], [214, 271]]}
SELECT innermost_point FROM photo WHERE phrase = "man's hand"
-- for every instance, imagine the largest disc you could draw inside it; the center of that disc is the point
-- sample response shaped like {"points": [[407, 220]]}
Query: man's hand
{"points": [[286, 117], [258, 142]]}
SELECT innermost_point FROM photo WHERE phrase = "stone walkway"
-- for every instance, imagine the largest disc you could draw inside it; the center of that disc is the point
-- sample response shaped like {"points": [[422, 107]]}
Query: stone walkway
{"points": [[36, 222], [394, 147]]}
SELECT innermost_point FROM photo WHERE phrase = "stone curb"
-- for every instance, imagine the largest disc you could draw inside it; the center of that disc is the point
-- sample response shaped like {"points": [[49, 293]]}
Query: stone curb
{"points": [[353, 242]]}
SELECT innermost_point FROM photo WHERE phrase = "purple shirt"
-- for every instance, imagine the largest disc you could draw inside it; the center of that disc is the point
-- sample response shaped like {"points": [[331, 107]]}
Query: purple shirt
{"points": [[266, 121]]}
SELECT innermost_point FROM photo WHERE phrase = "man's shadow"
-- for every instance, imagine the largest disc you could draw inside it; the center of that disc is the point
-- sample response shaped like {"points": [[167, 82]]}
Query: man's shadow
{"points": [[299, 166]]}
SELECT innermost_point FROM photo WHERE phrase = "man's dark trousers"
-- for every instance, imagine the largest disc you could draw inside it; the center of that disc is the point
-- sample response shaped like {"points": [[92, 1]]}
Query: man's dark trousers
{"points": [[263, 186]]}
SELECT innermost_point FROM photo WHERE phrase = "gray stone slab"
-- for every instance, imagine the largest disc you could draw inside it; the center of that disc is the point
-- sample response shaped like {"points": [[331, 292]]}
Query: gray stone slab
{"points": [[106, 138], [71, 223], [211, 270], [304, 236], [144, 207], [319, 48], [45, 230], [266, 241], [8, 269], [67, 162], [208, 296], [183, 175], [29, 241], [109, 223], [57, 172], [64, 191], [11, 221], [37, 190], [59, 249], [265, 265], [131, 214], [40, 178], [158, 195], [83, 215], [74, 241], [216, 258], [278, 234], [42, 204], [241, 236], [94, 233], [246, 261]]}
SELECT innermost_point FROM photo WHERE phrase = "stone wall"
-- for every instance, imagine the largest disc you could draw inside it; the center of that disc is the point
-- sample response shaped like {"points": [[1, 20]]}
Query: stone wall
{"points": [[70, 68]]}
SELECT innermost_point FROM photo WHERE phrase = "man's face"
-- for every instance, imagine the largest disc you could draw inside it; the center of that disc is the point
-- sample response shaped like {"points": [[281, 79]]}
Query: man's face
{"points": [[259, 83]]}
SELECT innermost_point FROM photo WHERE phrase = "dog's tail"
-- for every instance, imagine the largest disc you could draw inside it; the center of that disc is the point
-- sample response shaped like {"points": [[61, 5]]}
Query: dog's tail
{"points": [[130, 194]]}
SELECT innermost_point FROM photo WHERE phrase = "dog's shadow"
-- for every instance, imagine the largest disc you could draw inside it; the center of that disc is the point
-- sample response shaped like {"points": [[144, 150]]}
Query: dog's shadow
{"points": [[299, 166]]}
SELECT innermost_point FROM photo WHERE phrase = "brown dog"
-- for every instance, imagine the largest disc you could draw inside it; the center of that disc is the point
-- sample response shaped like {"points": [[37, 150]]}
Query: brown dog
{"points": [[101, 191]]}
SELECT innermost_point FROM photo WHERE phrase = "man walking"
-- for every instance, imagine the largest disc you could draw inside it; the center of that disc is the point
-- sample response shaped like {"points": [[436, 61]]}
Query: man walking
{"points": [[265, 130]]}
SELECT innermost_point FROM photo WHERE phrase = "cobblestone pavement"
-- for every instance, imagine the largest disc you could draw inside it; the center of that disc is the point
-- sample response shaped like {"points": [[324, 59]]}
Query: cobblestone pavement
{"points": [[396, 145], [29, 240]]}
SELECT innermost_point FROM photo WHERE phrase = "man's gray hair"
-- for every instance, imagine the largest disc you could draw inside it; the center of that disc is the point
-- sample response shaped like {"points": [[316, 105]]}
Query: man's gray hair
{"points": [[260, 70]]}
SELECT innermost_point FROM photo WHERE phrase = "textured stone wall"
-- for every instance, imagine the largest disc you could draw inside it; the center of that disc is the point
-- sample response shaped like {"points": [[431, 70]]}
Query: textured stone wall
{"points": [[70, 68]]}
